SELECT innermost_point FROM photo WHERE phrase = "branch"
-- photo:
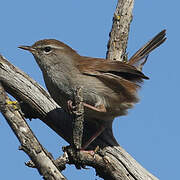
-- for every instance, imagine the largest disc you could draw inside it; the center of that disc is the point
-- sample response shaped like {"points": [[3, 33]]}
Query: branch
{"points": [[29, 143], [120, 29], [78, 120], [112, 161]]}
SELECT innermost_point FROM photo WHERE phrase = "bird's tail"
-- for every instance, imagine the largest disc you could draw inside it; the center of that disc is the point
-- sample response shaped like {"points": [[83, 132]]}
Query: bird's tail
{"points": [[143, 52]]}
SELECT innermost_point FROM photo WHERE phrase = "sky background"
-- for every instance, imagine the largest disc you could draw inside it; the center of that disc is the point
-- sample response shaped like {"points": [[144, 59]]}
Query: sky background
{"points": [[150, 133]]}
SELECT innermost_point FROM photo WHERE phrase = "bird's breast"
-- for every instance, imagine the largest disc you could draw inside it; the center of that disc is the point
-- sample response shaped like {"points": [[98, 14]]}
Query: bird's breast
{"points": [[62, 85], [59, 86]]}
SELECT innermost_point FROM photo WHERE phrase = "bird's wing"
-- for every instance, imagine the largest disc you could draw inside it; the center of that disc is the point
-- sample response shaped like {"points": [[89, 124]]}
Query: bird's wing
{"points": [[101, 67], [121, 77]]}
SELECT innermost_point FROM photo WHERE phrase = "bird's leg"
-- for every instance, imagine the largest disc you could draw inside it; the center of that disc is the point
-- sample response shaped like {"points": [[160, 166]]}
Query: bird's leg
{"points": [[100, 108], [98, 132]]}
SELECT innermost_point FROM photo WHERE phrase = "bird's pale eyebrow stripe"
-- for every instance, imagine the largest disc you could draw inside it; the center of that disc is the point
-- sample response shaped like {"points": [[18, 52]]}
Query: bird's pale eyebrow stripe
{"points": [[52, 46]]}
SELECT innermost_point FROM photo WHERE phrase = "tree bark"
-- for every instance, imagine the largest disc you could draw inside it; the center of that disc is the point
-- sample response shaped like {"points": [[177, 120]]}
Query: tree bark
{"points": [[120, 29], [110, 161], [29, 143]]}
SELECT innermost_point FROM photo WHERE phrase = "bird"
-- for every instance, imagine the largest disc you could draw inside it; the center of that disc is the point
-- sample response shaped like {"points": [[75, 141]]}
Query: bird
{"points": [[109, 87]]}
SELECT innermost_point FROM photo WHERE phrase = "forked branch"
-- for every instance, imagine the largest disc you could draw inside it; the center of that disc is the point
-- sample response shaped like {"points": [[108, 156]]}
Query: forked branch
{"points": [[111, 161]]}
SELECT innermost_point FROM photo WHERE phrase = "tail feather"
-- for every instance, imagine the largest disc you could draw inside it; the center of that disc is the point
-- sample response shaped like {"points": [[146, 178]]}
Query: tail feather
{"points": [[143, 52]]}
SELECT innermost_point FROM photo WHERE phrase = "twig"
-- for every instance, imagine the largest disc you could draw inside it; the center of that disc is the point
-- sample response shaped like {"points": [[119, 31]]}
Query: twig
{"points": [[78, 119]]}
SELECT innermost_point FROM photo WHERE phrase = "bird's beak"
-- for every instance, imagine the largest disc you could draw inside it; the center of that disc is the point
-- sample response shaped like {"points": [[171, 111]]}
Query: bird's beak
{"points": [[28, 48]]}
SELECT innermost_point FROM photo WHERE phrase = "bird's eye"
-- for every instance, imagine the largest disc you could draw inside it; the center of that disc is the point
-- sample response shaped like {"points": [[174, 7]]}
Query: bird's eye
{"points": [[47, 49]]}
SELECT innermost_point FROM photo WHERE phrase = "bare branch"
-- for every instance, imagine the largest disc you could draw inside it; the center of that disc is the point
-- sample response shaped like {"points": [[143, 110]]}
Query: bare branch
{"points": [[78, 121], [110, 163], [29, 143], [120, 29]]}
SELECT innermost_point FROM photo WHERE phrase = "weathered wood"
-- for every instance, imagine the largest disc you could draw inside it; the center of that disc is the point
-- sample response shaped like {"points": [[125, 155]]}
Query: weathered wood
{"points": [[120, 29], [78, 120], [29, 143]]}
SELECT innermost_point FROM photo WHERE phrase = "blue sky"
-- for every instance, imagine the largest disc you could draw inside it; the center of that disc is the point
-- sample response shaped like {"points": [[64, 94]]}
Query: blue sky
{"points": [[150, 133]]}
